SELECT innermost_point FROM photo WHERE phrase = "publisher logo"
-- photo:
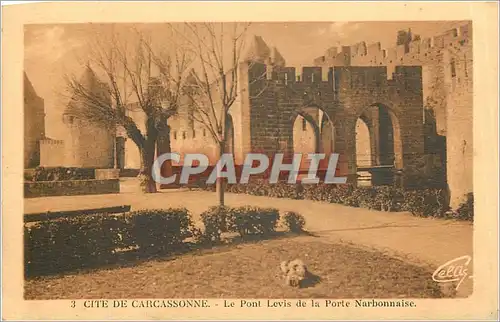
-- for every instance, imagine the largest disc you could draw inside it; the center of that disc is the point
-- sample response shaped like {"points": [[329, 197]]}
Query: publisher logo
{"points": [[225, 168], [455, 270]]}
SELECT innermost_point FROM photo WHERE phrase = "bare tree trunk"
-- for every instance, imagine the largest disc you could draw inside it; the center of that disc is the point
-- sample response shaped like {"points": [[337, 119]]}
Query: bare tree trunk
{"points": [[163, 146], [146, 173], [219, 186], [115, 152]]}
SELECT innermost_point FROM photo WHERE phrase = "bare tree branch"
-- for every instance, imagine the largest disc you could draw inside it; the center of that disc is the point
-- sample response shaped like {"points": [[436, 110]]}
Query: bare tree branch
{"points": [[119, 69]]}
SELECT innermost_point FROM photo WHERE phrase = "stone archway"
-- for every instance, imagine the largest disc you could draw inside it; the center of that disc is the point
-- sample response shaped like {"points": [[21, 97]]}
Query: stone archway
{"points": [[364, 146], [305, 137], [313, 132], [383, 129], [390, 147], [378, 147], [327, 135]]}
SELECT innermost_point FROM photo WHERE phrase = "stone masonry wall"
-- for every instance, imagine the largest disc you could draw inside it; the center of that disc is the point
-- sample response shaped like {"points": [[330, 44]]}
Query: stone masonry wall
{"points": [[459, 136], [344, 96], [426, 52], [446, 62], [70, 188], [34, 124], [409, 96], [90, 146], [266, 112], [52, 153]]}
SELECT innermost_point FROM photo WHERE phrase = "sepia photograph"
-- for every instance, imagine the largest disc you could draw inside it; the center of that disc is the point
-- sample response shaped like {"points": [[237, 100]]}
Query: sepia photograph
{"points": [[392, 99], [264, 164]]}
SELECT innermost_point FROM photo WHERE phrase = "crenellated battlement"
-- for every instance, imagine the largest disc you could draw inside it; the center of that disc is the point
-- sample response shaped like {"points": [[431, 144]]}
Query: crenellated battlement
{"points": [[416, 49], [51, 142], [338, 77], [308, 74]]}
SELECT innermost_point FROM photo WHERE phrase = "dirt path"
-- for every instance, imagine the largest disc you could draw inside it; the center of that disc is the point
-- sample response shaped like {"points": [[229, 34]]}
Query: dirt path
{"points": [[429, 241]]}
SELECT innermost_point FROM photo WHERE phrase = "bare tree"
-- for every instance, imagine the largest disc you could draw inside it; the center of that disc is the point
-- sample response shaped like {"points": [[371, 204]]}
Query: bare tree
{"points": [[214, 87], [136, 77]]}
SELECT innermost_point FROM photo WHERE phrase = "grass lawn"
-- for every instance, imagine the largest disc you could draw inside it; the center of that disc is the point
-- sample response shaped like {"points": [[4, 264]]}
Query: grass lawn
{"points": [[248, 271]]}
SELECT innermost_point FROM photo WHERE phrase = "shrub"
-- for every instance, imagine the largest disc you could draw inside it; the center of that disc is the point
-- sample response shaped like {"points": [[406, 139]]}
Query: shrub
{"points": [[423, 202], [285, 190], [215, 223], [246, 221], [28, 175], [320, 192], [118, 228], [294, 222], [388, 198], [56, 245], [250, 220], [237, 188], [466, 210], [160, 230], [341, 194], [210, 187], [62, 174], [67, 243], [258, 188], [361, 197], [426, 202]]}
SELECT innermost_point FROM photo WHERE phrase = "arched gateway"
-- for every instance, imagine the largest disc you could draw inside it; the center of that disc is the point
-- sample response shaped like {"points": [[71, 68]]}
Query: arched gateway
{"points": [[318, 112]]}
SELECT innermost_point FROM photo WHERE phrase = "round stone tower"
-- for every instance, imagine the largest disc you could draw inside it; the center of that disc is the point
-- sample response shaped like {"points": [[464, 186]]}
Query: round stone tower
{"points": [[89, 145]]}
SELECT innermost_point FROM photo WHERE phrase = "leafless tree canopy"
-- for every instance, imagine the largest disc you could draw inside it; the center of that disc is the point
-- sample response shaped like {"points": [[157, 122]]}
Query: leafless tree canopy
{"points": [[213, 84], [192, 65], [217, 49], [127, 72], [130, 74]]}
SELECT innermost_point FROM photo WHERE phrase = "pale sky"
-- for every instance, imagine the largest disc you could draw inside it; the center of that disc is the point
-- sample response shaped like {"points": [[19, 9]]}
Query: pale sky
{"points": [[51, 51]]}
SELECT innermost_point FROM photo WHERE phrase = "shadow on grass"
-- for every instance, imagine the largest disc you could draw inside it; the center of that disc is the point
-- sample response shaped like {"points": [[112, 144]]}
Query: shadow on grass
{"points": [[236, 239], [133, 257], [311, 280]]}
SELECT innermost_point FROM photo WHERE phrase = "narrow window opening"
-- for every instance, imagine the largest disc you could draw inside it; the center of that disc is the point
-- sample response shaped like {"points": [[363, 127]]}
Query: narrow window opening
{"points": [[453, 68], [465, 66]]}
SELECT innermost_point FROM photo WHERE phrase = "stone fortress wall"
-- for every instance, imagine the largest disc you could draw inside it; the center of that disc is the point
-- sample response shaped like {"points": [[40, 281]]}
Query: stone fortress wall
{"points": [[419, 91], [415, 99], [34, 124], [433, 54], [447, 83]]}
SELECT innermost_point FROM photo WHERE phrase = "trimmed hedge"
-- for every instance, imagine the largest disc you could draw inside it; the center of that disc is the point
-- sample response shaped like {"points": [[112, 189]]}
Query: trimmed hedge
{"points": [[245, 221], [430, 202], [159, 230], [295, 222], [249, 220], [68, 243], [85, 241], [54, 246], [466, 210], [215, 222], [62, 174]]}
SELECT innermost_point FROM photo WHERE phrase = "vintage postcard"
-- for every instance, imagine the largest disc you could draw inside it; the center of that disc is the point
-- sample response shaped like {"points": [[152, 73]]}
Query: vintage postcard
{"points": [[246, 161]]}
